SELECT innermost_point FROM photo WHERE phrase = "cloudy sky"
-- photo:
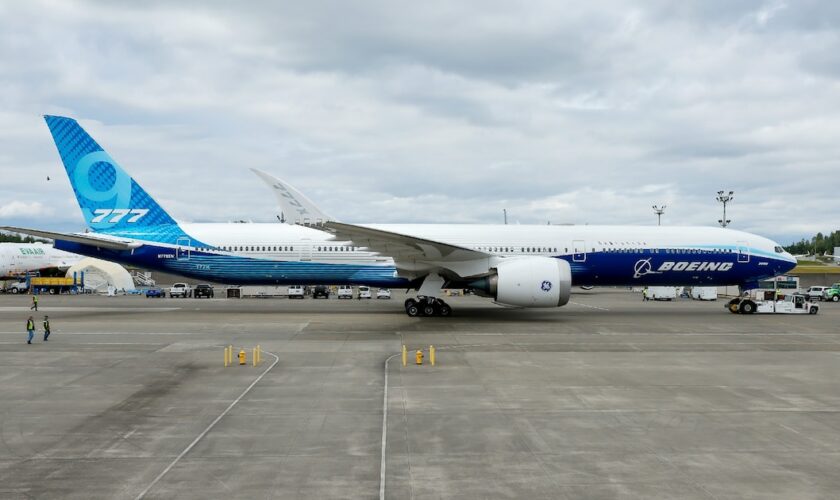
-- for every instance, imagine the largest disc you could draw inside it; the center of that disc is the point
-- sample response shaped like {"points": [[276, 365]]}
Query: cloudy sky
{"points": [[431, 111]]}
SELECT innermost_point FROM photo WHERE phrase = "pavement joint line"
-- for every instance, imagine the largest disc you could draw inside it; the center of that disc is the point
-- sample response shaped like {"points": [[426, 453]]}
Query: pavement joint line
{"points": [[207, 429], [382, 466], [587, 305]]}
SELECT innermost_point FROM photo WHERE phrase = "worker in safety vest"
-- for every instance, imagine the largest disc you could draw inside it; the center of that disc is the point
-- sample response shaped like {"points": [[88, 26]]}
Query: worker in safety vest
{"points": [[34, 303], [46, 328], [30, 327]]}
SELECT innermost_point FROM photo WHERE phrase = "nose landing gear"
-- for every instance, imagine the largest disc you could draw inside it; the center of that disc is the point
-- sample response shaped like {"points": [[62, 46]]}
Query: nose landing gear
{"points": [[427, 306]]}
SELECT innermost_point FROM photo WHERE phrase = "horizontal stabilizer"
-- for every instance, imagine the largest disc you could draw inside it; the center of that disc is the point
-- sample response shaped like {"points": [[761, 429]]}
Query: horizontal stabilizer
{"points": [[84, 239]]}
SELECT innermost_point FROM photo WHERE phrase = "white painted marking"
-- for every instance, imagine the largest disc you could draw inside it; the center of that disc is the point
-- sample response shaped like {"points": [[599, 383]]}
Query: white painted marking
{"points": [[208, 429], [59, 332], [384, 431], [43, 308], [587, 305]]}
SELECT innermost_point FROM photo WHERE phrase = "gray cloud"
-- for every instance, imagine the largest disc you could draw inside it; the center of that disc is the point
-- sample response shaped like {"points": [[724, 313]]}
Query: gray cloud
{"points": [[435, 112]]}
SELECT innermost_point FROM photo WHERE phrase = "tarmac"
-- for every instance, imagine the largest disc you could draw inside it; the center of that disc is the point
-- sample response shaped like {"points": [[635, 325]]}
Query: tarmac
{"points": [[608, 397]]}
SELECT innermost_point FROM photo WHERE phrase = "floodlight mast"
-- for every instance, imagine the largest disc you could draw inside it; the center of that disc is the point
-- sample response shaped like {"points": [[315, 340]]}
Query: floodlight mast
{"points": [[725, 198], [659, 211]]}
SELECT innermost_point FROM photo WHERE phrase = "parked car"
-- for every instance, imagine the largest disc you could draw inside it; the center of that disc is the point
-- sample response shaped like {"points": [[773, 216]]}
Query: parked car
{"points": [[155, 292], [182, 290], [364, 292], [295, 291], [816, 293], [345, 292], [203, 290], [321, 291], [383, 293]]}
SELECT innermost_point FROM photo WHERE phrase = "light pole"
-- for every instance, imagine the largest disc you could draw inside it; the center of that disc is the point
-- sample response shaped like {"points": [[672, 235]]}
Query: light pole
{"points": [[659, 211], [504, 211], [724, 198]]}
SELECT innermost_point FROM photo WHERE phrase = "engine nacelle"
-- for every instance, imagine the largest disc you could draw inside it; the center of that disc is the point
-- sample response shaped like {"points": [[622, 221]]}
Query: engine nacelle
{"points": [[530, 282]]}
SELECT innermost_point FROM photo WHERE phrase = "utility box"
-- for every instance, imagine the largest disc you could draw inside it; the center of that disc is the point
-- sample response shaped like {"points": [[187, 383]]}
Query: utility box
{"points": [[234, 293]]}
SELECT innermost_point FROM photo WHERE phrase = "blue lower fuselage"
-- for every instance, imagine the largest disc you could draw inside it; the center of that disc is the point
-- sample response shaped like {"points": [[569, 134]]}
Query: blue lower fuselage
{"points": [[630, 268]]}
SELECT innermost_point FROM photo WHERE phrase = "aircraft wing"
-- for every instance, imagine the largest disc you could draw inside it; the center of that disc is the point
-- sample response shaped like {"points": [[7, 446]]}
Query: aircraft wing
{"points": [[84, 239], [296, 207], [402, 246]]}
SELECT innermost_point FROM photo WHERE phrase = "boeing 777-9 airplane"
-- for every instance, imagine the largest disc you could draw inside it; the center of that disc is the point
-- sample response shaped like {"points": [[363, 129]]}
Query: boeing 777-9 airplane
{"points": [[516, 265]]}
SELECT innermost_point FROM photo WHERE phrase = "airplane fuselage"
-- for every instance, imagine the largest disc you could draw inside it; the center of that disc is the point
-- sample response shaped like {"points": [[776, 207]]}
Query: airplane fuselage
{"points": [[280, 254]]}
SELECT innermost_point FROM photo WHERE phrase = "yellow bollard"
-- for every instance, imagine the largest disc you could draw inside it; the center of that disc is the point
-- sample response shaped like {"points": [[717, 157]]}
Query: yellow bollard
{"points": [[418, 357], [432, 355], [404, 355], [242, 357], [259, 354], [225, 357], [230, 355], [253, 356]]}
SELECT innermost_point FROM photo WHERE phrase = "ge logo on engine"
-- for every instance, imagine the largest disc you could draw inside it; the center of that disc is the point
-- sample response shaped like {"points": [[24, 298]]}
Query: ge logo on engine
{"points": [[546, 286]]}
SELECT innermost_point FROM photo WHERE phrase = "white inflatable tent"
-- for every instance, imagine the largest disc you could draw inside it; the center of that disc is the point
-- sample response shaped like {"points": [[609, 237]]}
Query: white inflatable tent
{"points": [[100, 274]]}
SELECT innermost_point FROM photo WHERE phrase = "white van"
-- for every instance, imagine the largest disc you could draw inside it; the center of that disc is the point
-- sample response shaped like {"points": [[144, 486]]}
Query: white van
{"points": [[364, 292], [345, 292], [295, 291]]}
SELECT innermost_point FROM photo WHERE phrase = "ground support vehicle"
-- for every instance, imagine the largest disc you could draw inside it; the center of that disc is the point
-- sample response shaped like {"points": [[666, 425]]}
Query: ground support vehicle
{"points": [[661, 293], [383, 293], [704, 293], [155, 292], [364, 292], [203, 290], [345, 292], [791, 304], [182, 290], [321, 291], [296, 291]]}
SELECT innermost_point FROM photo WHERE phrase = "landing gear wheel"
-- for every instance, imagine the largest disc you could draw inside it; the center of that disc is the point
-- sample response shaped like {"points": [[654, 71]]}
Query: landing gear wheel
{"points": [[429, 308], [443, 309], [747, 307], [411, 308]]}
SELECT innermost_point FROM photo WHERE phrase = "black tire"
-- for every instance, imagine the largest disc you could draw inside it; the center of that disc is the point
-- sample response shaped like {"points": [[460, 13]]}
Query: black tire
{"points": [[412, 310], [747, 307], [444, 310], [429, 309], [813, 310], [15, 291], [836, 298]]}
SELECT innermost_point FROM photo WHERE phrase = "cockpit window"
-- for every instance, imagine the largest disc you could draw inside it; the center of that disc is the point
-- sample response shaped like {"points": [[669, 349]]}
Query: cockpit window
{"points": [[779, 249]]}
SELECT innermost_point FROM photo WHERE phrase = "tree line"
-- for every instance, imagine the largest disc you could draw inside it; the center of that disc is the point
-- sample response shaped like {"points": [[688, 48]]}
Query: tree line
{"points": [[16, 238], [818, 244]]}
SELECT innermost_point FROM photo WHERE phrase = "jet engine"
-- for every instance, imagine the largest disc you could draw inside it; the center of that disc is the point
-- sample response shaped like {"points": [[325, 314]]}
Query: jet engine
{"points": [[528, 282]]}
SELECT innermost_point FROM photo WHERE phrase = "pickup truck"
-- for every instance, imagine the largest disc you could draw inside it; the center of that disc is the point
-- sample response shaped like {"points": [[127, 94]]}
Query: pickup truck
{"points": [[19, 287], [203, 290], [182, 290], [833, 293], [815, 292]]}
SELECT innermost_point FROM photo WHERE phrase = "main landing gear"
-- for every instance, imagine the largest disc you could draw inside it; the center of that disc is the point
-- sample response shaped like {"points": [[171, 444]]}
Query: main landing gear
{"points": [[427, 306]]}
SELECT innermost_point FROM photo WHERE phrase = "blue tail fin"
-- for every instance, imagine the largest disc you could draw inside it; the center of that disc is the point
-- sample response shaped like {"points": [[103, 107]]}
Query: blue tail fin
{"points": [[111, 201]]}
